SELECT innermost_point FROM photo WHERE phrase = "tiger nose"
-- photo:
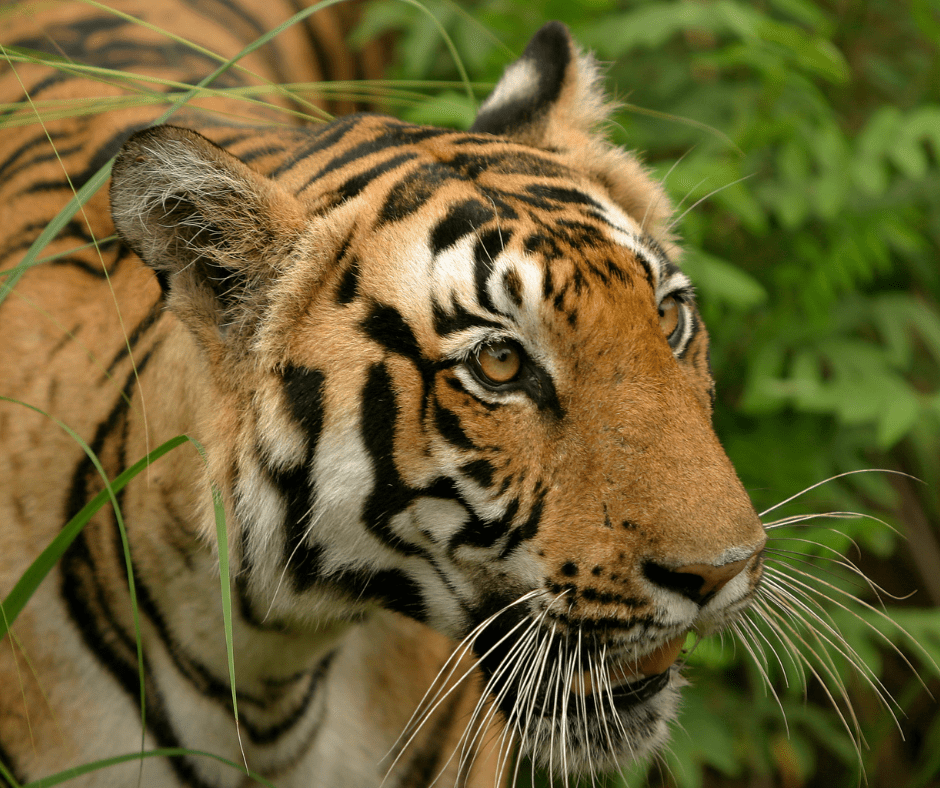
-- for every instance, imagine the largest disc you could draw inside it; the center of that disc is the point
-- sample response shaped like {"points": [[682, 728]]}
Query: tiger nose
{"points": [[698, 582]]}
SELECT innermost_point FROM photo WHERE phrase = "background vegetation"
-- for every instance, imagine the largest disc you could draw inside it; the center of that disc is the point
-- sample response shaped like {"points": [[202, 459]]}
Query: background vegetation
{"points": [[810, 131]]}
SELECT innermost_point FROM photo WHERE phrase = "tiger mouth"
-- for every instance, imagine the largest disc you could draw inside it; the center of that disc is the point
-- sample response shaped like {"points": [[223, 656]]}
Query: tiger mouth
{"points": [[633, 682]]}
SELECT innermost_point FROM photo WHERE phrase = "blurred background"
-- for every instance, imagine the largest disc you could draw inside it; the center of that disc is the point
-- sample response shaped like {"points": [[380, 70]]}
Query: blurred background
{"points": [[803, 137]]}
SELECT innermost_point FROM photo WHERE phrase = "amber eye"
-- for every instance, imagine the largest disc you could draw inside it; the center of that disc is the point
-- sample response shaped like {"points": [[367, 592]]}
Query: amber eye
{"points": [[669, 315], [499, 362]]}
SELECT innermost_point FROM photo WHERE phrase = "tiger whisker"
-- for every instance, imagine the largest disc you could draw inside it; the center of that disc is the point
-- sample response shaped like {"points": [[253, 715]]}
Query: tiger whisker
{"points": [[528, 693], [665, 179], [427, 708], [780, 625], [836, 642], [796, 519], [806, 591], [523, 645], [510, 665], [675, 222], [830, 479], [528, 697], [595, 673], [792, 559], [740, 628], [457, 654]]}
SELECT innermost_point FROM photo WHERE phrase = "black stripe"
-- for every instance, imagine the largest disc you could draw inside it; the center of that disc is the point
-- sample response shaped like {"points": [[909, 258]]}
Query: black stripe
{"points": [[515, 161], [390, 495], [390, 138], [322, 137], [140, 330], [304, 389], [488, 247], [459, 319], [301, 557], [481, 471], [414, 191], [82, 588], [448, 425], [41, 141], [527, 530], [461, 220], [561, 195], [103, 154], [354, 186], [512, 284], [219, 689], [349, 282], [385, 326]]}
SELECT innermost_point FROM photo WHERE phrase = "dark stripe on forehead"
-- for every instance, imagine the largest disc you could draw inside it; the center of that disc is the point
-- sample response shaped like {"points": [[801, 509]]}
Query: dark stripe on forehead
{"points": [[562, 195], [357, 183], [414, 191], [517, 161], [512, 284], [459, 319], [649, 266], [385, 326], [488, 247], [461, 220], [394, 135]]}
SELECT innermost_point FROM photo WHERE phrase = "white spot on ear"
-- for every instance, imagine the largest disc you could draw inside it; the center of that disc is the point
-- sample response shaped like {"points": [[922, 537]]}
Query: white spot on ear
{"points": [[519, 82]]}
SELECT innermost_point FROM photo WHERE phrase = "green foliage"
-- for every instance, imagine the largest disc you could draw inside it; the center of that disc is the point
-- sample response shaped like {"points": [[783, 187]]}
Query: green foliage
{"points": [[805, 136]]}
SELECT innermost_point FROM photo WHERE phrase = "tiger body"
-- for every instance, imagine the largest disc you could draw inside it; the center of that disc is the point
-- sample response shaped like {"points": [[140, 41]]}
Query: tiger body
{"points": [[330, 310]]}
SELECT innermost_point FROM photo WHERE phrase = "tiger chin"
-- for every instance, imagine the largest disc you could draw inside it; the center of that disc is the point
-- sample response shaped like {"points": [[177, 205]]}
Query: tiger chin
{"points": [[454, 394]]}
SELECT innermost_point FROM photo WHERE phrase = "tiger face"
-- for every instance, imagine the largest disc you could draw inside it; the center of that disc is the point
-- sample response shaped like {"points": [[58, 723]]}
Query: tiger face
{"points": [[460, 376]]}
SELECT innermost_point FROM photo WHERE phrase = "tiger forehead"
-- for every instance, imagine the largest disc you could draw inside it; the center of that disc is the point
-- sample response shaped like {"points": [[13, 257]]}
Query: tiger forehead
{"points": [[413, 167]]}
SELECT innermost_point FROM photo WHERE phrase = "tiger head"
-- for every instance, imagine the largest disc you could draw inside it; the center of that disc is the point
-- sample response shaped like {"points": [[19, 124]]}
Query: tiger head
{"points": [[461, 377]]}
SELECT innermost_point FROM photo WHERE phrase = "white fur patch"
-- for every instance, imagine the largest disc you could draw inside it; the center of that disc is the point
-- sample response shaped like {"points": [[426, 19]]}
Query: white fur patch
{"points": [[519, 82]]}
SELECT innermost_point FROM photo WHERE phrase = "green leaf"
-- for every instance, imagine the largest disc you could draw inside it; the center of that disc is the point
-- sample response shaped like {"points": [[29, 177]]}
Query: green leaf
{"points": [[899, 414], [723, 282]]}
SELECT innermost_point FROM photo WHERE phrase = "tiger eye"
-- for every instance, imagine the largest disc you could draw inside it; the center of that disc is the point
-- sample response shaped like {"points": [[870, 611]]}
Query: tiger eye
{"points": [[668, 315], [499, 362]]}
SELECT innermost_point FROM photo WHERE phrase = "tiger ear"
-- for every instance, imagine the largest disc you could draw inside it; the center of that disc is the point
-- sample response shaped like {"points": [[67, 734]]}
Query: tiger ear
{"points": [[212, 229], [552, 98], [552, 88]]}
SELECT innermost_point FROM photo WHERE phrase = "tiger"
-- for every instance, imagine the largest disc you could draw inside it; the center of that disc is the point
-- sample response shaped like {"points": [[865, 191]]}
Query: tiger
{"points": [[449, 404]]}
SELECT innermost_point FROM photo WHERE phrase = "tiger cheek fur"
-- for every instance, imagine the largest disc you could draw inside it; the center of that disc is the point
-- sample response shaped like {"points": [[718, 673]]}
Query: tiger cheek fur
{"points": [[453, 390]]}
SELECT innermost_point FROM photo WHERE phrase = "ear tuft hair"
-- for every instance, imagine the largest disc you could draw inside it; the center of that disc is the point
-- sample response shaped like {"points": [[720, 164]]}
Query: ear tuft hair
{"points": [[213, 230]]}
